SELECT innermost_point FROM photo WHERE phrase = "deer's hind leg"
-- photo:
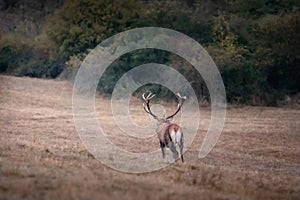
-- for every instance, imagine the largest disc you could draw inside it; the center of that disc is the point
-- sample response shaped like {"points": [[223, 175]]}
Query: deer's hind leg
{"points": [[163, 147], [173, 149], [180, 144]]}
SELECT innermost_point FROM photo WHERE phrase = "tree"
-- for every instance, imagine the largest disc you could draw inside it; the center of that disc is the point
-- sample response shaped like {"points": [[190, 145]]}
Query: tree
{"points": [[278, 42], [81, 25]]}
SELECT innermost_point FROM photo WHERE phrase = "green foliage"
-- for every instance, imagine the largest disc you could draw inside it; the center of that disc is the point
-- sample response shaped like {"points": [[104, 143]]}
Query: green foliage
{"points": [[169, 14], [278, 52], [13, 51], [129, 61], [225, 48], [81, 25], [245, 85], [258, 8], [72, 66], [21, 57], [254, 43], [160, 92]]}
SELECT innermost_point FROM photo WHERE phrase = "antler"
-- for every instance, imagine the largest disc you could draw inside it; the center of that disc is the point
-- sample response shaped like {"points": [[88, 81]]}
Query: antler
{"points": [[147, 106], [181, 101]]}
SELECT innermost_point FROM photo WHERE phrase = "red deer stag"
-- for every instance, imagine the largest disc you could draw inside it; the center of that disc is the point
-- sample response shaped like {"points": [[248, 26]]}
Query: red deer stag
{"points": [[169, 134]]}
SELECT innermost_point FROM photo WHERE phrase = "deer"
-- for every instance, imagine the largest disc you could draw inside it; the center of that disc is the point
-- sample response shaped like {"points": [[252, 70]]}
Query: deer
{"points": [[168, 133]]}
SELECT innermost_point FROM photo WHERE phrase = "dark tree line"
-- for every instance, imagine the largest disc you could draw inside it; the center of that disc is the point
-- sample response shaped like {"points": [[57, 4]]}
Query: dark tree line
{"points": [[254, 43]]}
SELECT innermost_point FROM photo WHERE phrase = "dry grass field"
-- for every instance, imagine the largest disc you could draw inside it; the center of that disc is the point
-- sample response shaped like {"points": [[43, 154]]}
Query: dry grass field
{"points": [[42, 157]]}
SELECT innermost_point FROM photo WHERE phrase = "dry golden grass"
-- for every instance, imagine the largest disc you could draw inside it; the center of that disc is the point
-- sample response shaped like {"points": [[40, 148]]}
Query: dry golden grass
{"points": [[42, 157]]}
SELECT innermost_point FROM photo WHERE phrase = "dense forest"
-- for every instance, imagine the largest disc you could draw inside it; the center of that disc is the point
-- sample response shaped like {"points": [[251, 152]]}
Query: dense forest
{"points": [[254, 43]]}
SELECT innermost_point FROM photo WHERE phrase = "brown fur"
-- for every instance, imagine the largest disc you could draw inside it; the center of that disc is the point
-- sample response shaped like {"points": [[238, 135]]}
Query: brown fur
{"points": [[173, 127]]}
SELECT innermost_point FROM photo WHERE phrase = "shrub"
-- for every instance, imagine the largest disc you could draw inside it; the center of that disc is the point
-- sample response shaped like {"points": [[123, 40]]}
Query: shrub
{"points": [[13, 51], [22, 57], [245, 85], [72, 66]]}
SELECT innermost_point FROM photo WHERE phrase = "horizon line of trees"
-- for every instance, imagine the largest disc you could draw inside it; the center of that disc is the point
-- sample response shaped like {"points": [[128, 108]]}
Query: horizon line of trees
{"points": [[255, 44]]}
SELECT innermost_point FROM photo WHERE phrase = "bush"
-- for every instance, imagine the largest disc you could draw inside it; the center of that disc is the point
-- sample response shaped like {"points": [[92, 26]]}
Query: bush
{"points": [[72, 66], [245, 85], [22, 57], [83, 24], [13, 52]]}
